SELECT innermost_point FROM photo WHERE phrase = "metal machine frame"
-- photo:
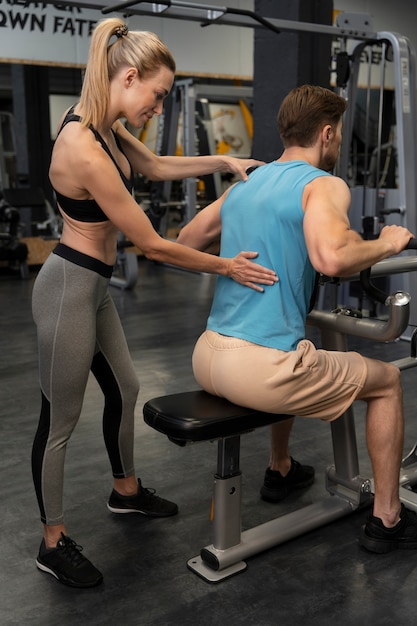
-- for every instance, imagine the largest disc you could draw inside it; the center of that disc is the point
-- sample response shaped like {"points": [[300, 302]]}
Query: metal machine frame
{"points": [[184, 98], [399, 205]]}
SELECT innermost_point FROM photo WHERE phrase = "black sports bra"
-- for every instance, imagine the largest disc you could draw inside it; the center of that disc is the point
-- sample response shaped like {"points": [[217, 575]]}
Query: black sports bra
{"points": [[89, 210]]}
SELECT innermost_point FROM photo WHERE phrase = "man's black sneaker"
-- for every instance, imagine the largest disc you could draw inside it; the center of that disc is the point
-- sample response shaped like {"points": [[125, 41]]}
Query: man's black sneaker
{"points": [[67, 564], [375, 537], [145, 502], [276, 486]]}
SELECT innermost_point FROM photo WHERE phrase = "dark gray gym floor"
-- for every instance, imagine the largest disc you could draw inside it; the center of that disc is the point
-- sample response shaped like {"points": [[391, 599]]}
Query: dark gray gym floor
{"points": [[321, 578]]}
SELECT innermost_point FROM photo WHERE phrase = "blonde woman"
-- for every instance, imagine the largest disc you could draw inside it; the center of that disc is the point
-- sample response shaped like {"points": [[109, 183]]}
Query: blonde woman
{"points": [[128, 75]]}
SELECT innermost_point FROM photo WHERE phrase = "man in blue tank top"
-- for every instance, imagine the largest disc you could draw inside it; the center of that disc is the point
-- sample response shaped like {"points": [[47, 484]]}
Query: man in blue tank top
{"points": [[254, 351]]}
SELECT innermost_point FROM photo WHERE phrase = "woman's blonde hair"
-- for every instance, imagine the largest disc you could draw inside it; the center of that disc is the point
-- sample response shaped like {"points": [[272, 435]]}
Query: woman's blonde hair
{"points": [[140, 49]]}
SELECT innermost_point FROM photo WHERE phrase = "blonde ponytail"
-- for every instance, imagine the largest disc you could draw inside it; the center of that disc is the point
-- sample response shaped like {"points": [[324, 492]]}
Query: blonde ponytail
{"points": [[140, 49]]}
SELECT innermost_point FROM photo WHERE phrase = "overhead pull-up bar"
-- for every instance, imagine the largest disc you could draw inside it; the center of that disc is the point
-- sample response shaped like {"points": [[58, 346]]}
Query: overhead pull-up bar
{"points": [[354, 25], [213, 14]]}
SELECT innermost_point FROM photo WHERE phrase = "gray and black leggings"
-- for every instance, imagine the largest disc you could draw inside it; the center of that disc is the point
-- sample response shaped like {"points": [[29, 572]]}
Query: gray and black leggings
{"points": [[78, 330]]}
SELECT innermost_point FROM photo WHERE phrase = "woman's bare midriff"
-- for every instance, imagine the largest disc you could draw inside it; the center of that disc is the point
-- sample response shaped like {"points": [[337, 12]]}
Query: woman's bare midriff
{"points": [[97, 239]]}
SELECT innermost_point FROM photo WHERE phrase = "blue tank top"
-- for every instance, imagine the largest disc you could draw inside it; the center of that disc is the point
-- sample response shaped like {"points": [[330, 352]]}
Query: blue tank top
{"points": [[265, 214]]}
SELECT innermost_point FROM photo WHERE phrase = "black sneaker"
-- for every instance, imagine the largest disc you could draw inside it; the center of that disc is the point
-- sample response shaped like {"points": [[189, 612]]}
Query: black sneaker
{"points": [[276, 486], [67, 564], [375, 537], [145, 502]]}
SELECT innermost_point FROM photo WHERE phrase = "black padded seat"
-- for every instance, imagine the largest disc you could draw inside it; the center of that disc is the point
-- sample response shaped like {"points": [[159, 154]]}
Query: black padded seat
{"points": [[199, 416]]}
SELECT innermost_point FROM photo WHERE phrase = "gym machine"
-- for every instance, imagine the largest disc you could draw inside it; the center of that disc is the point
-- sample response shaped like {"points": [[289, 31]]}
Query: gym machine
{"points": [[185, 118], [196, 416], [378, 154], [180, 100]]}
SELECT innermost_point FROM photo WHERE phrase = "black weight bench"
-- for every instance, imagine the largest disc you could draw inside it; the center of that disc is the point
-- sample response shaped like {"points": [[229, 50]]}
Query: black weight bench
{"points": [[198, 416]]}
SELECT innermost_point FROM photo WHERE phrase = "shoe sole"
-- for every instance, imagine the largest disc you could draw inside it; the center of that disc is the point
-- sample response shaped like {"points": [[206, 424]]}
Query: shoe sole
{"points": [[66, 581], [379, 546], [114, 509]]}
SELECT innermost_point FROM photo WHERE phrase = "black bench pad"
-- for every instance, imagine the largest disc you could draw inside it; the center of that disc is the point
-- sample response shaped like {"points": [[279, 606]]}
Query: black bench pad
{"points": [[200, 416]]}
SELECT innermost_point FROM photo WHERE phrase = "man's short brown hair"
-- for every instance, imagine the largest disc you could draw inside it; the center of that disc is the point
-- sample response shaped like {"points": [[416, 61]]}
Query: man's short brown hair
{"points": [[304, 112]]}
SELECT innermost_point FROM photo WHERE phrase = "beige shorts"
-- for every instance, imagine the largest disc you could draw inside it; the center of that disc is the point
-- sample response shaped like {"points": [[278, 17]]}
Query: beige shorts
{"points": [[306, 382]]}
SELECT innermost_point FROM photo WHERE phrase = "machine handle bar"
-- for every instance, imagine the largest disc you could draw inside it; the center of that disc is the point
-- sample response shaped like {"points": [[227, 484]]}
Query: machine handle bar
{"points": [[369, 288]]}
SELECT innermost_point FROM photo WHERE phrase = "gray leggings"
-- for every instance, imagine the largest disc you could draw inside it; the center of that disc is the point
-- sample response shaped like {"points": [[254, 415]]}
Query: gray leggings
{"points": [[78, 330]]}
